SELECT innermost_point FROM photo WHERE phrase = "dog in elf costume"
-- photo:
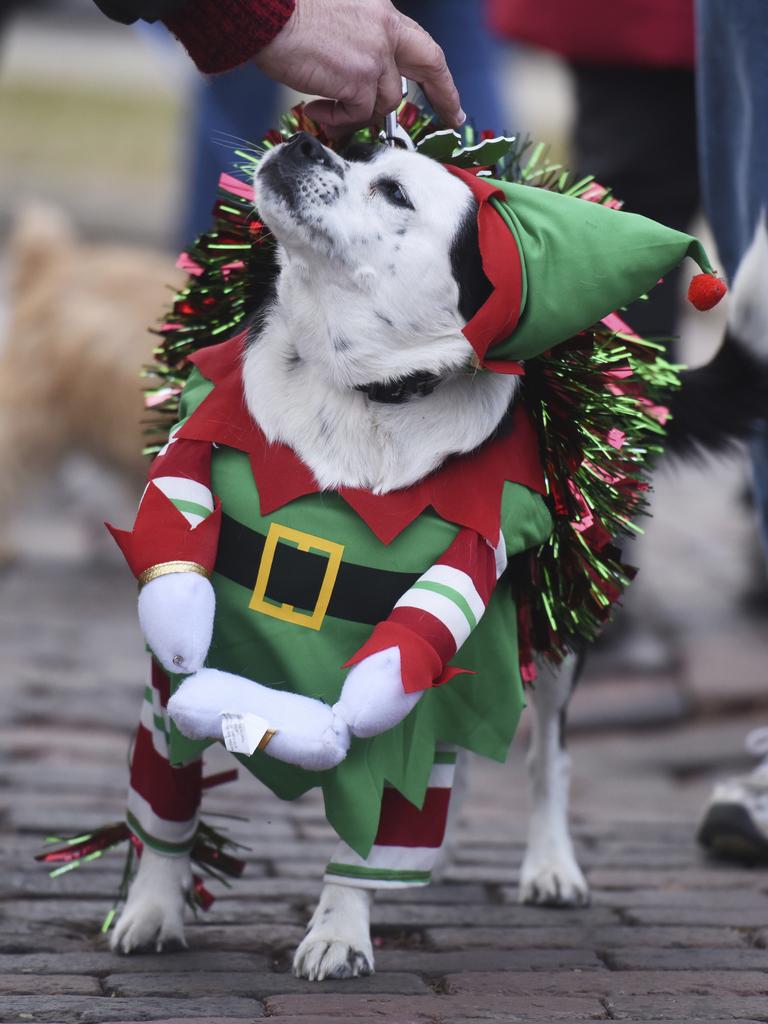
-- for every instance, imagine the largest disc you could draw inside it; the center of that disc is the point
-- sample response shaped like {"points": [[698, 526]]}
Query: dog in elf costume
{"points": [[344, 538]]}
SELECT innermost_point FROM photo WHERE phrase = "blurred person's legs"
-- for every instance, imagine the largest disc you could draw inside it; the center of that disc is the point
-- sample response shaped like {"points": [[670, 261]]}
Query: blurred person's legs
{"points": [[732, 98], [635, 131], [227, 112], [759, 452], [459, 26], [735, 823]]}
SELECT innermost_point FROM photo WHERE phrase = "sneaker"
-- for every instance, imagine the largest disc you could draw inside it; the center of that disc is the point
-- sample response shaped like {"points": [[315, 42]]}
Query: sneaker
{"points": [[735, 824]]}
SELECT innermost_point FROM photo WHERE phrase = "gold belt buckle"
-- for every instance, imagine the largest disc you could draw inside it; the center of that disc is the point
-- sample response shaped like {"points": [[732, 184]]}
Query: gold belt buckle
{"points": [[304, 542]]}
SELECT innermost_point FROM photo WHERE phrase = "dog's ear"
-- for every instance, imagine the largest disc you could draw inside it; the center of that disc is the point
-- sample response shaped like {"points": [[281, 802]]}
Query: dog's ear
{"points": [[467, 265], [42, 234], [361, 152]]}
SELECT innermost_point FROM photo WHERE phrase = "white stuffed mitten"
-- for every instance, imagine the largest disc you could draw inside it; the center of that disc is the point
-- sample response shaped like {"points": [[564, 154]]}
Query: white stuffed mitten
{"points": [[307, 733], [176, 615], [372, 698]]}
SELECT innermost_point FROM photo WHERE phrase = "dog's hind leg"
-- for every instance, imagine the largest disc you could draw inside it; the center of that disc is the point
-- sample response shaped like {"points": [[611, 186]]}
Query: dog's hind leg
{"points": [[550, 874], [162, 813], [407, 847]]}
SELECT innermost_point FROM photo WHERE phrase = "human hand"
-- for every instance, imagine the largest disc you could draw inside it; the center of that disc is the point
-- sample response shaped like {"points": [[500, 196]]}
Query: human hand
{"points": [[353, 52]]}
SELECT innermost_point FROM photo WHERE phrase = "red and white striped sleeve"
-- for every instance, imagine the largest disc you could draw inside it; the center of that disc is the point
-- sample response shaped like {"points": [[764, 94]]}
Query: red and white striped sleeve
{"points": [[435, 617], [178, 521]]}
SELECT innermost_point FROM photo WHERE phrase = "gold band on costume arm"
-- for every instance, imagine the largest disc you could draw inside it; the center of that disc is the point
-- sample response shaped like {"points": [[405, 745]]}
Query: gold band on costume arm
{"points": [[268, 735], [165, 568]]}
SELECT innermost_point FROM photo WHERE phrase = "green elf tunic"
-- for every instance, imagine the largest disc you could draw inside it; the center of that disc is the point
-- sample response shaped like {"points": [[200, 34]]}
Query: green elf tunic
{"points": [[303, 576]]}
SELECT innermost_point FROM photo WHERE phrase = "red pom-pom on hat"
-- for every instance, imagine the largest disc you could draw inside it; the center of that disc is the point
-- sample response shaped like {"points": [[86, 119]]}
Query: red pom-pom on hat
{"points": [[705, 291]]}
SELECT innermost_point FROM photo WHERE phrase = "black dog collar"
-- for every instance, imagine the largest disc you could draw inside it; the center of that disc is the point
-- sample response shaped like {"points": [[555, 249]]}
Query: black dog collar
{"points": [[398, 391]]}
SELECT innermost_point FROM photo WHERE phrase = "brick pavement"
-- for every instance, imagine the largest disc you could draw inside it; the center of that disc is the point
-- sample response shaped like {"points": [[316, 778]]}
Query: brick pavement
{"points": [[669, 936]]}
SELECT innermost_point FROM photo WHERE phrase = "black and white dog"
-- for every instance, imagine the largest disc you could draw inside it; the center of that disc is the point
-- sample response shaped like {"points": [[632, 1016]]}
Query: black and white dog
{"points": [[356, 235]]}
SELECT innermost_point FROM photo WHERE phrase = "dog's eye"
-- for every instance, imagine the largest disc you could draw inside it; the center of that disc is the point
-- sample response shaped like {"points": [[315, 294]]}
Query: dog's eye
{"points": [[392, 191]]}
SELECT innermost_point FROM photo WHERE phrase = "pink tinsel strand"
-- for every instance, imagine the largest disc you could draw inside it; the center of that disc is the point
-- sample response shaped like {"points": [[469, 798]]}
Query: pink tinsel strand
{"points": [[614, 323], [185, 262], [158, 397], [238, 188]]}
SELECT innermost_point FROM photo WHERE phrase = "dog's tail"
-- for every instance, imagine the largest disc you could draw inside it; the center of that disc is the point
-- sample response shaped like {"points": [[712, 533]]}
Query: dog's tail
{"points": [[719, 404], [40, 234]]}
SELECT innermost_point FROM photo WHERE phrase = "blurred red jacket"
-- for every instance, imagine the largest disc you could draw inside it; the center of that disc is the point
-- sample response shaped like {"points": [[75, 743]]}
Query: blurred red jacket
{"points": [[645, 33]]}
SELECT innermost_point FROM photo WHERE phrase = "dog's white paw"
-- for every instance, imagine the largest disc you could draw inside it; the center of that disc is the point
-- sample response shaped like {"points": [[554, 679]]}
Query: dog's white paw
{"points": [[338, 940], [553, 879], [145, 926], [153, 916]]}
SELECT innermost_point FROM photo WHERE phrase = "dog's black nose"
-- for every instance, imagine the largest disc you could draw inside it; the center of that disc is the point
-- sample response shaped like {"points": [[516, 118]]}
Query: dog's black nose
{"points": [[305, 148]]}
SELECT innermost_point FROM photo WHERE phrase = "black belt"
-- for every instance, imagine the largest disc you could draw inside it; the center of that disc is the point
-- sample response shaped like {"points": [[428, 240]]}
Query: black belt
{"points": [[296, 578]]}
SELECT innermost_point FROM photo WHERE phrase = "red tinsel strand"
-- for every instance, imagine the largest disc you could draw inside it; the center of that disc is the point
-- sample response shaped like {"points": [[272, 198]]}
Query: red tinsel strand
{"points": [[205, 853], [203, 898], [219, 779], [409, 115], [524, 644], [99, 841]]}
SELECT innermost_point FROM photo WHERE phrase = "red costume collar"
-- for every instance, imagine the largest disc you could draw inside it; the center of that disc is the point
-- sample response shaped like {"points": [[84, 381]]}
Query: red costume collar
{"points": [[466, 490]]}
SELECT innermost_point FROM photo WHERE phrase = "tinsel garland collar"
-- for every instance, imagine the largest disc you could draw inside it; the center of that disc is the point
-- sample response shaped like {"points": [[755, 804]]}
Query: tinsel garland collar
{"points": [[596, 399], [466, 490]]}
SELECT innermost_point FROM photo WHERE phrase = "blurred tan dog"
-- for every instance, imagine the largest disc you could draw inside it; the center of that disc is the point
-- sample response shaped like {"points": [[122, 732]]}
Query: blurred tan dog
{"points": [[75, 343]]}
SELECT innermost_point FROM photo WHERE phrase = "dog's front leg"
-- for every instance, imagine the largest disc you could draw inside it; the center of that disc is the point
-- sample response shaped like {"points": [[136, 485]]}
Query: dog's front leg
{"points": [[404, 854], [550, 874], [153, 916], [338, 939], [163, 804]]}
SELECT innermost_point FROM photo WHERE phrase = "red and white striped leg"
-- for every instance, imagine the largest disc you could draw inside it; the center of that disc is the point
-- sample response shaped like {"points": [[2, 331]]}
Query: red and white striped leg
{"points": [[163, 801], [408, 841], [338, 941], [163, 804]]}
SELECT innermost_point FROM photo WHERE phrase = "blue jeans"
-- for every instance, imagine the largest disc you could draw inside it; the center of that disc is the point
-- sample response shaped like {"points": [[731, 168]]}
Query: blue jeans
{"points": [[732, 97], [244, 103]]}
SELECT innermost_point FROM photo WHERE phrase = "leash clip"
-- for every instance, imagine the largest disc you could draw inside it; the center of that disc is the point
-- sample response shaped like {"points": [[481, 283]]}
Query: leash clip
{"points": [[394, 134]]}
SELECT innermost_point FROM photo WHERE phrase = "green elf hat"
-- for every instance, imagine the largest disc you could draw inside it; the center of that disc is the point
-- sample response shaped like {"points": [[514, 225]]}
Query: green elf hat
{"points": [[559, 264]]}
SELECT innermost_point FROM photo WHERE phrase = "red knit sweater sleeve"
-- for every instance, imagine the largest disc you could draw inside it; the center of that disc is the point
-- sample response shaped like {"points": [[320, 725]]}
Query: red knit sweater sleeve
{"points": [[220, 34]]}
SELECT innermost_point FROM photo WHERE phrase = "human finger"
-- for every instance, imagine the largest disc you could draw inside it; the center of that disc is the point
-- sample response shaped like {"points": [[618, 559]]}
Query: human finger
{"points": [[419, 57], [341, 113], [389, 92]]}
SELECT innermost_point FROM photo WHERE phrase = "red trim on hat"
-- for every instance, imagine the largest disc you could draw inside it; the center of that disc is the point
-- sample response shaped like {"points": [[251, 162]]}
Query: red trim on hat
{"points": [[498, 316]]}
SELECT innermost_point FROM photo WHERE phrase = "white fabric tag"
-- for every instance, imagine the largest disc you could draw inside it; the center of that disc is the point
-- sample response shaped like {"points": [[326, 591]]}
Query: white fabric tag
{"points": [[242, 732]]}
